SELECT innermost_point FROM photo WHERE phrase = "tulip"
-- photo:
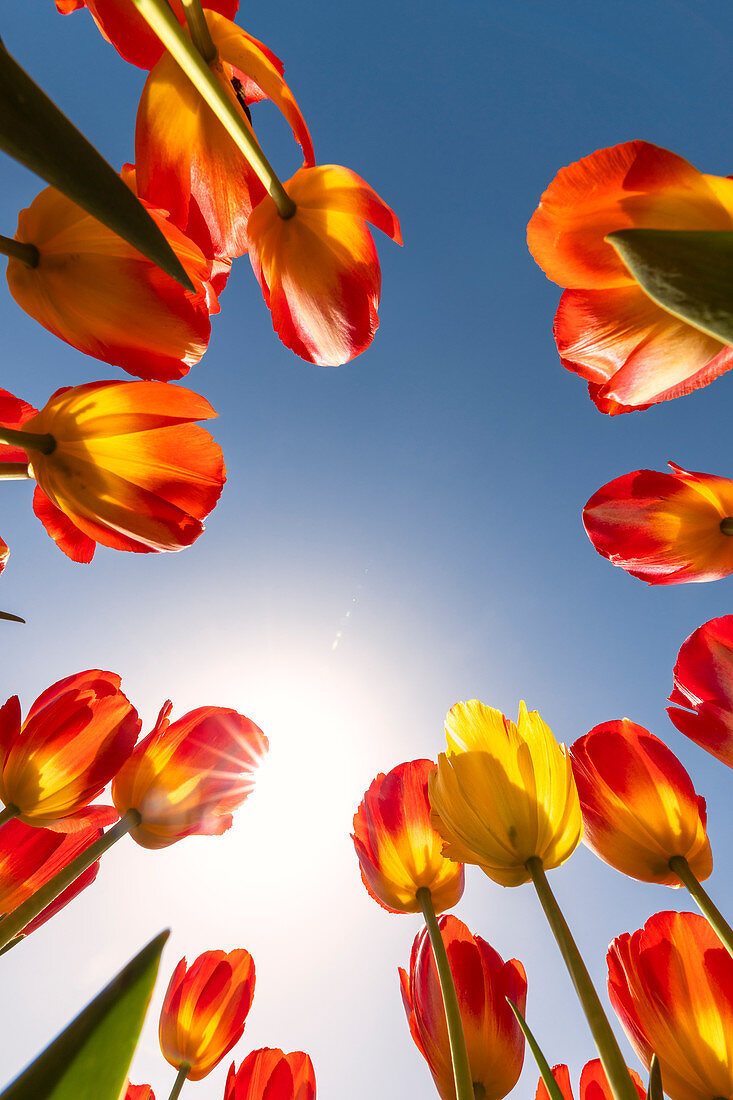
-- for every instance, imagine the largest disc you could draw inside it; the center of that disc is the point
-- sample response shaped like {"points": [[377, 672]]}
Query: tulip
{"points": [[593, 1083], [76, 736], [137, 1092], [183, 152], [96, 292], [4, 554], [640, 810], [128, 32], [398, 848], [204, 1011], [703, 684], [483, 982], [318, 269], [269, 1074], [631, 352], [671, 985], [120, 464], [664, 528], [185, 778]]}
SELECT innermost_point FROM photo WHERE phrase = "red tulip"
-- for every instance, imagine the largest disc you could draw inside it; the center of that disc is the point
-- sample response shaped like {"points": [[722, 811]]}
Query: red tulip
{"points": [[4, 554], [703, 685], [137, 1092], [269, 1074], [483, 981], [664, 528], [593, 1083]]}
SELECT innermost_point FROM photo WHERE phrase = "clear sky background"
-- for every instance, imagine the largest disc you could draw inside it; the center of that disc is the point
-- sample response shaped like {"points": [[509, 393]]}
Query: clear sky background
{"points": [[396, 535]]}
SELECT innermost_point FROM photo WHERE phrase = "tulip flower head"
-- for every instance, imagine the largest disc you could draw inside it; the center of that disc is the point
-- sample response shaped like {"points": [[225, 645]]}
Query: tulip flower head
{"points": [[137, 1092], [76, 736], [483, 982], [123, 465], [504, 793], [398, 848], [96, 292], [318, 269], [703, 686], [664, 528], [4, 554], [671, 985], [187, 777], [204, 1010], [631, 352], [593, 1083], [269, 1074], [639, 805]]}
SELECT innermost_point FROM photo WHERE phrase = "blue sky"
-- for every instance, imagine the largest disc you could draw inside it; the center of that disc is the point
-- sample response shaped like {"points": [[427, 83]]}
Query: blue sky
{"points": [[396, 534]]}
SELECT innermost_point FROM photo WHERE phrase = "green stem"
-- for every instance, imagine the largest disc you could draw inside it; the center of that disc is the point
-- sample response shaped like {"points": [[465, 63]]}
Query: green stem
{"points": [[180, 1081], [704, 902], [158, 15], [456, 1038], [28, 254], [553, 1089], [198, 28], [619, 1078], [29, 441], [16, 921], [8, 813], [14, 471]]}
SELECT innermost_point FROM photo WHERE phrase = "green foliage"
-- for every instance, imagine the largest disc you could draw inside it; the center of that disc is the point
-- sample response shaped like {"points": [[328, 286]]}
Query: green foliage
{"points": [[34, 131], [90, 1059], [654, 1091], [687, 272], [542, 1064]]}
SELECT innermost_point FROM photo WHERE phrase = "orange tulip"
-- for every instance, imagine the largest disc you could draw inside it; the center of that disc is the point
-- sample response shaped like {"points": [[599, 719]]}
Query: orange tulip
{"points": [[269, 1074], [96, 292], [319, 270], [183, 152], [204, 1010], [483, 982], [664, 528], [186, 778], [703, 685], [631, 352], [639, 805], [593, 1083], [4, 554], [671, 984], [128, 468], [137, 1092], [128, 32], [399, 850], [77, 735]]}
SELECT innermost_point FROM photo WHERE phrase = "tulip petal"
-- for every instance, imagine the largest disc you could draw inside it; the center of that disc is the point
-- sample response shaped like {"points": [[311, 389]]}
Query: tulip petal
{"points": [[76, 545], [14, 414]]}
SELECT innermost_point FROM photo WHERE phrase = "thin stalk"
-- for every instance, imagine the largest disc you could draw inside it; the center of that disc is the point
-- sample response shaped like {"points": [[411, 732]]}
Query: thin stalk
{"points": [[16, 921], [29, 441], [28, 254], [14, 471], [704, 902], [619, 1078], [180, 1081], [553, 1089], [198, 28], [456, 1038], [158, 15], [8, 813]]}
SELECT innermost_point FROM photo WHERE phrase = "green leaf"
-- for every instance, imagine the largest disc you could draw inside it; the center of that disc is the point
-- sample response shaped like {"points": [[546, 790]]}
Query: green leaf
{"points": [[90, 1059], [542, 1064], [654, 1091], [34, 131], [687, 272]]}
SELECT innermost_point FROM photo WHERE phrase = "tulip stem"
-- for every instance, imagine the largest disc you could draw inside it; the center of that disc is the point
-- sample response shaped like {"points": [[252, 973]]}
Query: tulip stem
{"points": [[29, 441], [8, 813], [14, 471], [456, 1037], [619, 1078], [704, 902], [198, 28], [180, 1080], [28, 254], [16, 921], [158, 15], [553, 1089]]}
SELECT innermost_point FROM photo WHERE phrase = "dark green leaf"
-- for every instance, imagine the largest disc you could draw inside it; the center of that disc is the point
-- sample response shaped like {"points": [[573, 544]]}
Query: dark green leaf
{"points": [[687, 272], [542, 1064], [11, 617], [90, 1059], [34, 131], [654, 1091]]}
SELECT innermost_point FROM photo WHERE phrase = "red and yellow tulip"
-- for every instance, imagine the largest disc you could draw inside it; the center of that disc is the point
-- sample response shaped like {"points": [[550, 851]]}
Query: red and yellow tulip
{"points": [[593, 1083], [187, 777], [703, 686], [269, 1074], [398, 848], [76, 736], [631, 352], [639, 805], [204, 1010], [671, 985], [664, 528], [318, 269], [137, 1092], [4, 554], [483, 982]]}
